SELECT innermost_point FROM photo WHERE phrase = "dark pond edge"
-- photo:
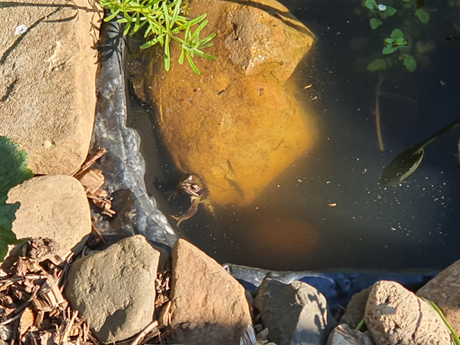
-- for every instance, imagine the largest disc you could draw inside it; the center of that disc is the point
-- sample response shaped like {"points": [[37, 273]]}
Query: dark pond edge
{"points": [[124, 169]]}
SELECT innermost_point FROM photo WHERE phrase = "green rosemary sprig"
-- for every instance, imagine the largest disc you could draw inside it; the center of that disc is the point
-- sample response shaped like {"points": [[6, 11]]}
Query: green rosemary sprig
{"points": [[165, 21]]}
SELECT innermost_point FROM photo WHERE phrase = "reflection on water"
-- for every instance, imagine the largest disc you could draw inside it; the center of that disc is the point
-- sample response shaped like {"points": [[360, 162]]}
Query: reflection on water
{"points": [[328, 210]]}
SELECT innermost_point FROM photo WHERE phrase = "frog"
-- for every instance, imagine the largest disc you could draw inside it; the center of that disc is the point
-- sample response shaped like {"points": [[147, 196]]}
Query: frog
{"points": [[194, 187]]}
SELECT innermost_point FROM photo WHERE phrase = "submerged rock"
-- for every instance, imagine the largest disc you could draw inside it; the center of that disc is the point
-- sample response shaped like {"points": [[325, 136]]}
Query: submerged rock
{"points": [[395, 315], [294, 313], [208, 305], [48, 89], [237, 125], [443, 290], [114, 290]]}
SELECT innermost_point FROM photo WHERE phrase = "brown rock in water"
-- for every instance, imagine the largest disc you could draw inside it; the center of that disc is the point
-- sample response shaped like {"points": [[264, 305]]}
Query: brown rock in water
{"points": [[52, 206], [394, 315], [208, 304], [237, 125], [48, 89], [444, 291]]}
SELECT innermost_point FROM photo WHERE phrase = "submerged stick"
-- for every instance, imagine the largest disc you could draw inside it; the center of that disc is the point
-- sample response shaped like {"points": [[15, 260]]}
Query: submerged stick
{"points": [[377, 113]]}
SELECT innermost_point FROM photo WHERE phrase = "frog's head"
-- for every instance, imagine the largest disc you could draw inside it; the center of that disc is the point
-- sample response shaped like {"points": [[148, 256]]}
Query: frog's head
{"points": [[191, 186]]}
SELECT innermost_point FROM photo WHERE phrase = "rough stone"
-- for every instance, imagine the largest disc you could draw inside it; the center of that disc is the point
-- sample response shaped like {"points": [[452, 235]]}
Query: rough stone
{"points": [[208, 304], [238, 124], [356, 308], [294, 313], [52, 206], [443, 290], [345, 335], [394, 315], [47, 94], [114, 290]]}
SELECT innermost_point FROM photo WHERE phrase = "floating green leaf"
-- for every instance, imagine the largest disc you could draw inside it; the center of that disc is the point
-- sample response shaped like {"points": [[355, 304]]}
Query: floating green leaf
{"points": [[396, 33], [375, 23], [390, 11], [400, 41], [388, 49], [13, 171], [370, 4], [422, 15]]}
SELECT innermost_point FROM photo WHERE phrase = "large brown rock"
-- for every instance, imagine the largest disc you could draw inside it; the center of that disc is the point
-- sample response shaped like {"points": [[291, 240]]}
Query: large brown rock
{"points": [[394, 315], [208, 304], [237, 125], [444, 291], [114, 290], [52, 206], [47, 93]]}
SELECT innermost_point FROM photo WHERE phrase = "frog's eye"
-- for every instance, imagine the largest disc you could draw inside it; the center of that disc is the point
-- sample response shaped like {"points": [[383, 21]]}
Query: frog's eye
{"points": [[195, 188]]}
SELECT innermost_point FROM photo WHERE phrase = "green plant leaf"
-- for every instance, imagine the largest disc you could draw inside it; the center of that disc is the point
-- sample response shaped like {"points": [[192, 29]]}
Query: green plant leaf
{"points": [[389, 49], [164, 21], [400, 42], [390, 11], [422, 15], [397, 33], [389, 41], [375, 23], [112, 16], [377, 65], [370, 4], [409, 62], [13, 171]]}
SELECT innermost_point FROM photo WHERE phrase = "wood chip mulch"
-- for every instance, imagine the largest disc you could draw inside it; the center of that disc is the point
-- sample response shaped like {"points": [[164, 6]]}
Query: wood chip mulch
{"points": [[32, 307]]}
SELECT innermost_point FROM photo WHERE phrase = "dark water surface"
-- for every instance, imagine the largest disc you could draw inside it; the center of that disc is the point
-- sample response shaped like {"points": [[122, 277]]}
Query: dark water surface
{"points": [[328, 210]]}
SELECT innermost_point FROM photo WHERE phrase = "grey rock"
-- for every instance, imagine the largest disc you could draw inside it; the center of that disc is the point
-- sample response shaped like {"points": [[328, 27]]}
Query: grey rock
{"points": [[443, 290], [209, 306], [345, 335], [395, 315], [294, 313], [114, 290]]}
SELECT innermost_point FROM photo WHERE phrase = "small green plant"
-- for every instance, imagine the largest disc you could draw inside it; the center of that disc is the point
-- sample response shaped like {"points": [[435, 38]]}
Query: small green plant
{"points": [[393, 42], [164, 21], [13, 171], [410, 15], [378, 12]]}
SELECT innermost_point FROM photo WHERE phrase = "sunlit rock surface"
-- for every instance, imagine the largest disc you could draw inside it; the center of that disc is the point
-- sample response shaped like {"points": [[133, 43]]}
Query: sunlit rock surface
{"points": [[48, 63], [394, 315], [237, 125], [443, 290], [208, 306], [114, 290], [52, 206]]}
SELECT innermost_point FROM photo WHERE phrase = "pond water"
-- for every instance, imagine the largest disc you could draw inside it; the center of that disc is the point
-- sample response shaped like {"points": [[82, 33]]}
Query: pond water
{"points": [[327, 210]]}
